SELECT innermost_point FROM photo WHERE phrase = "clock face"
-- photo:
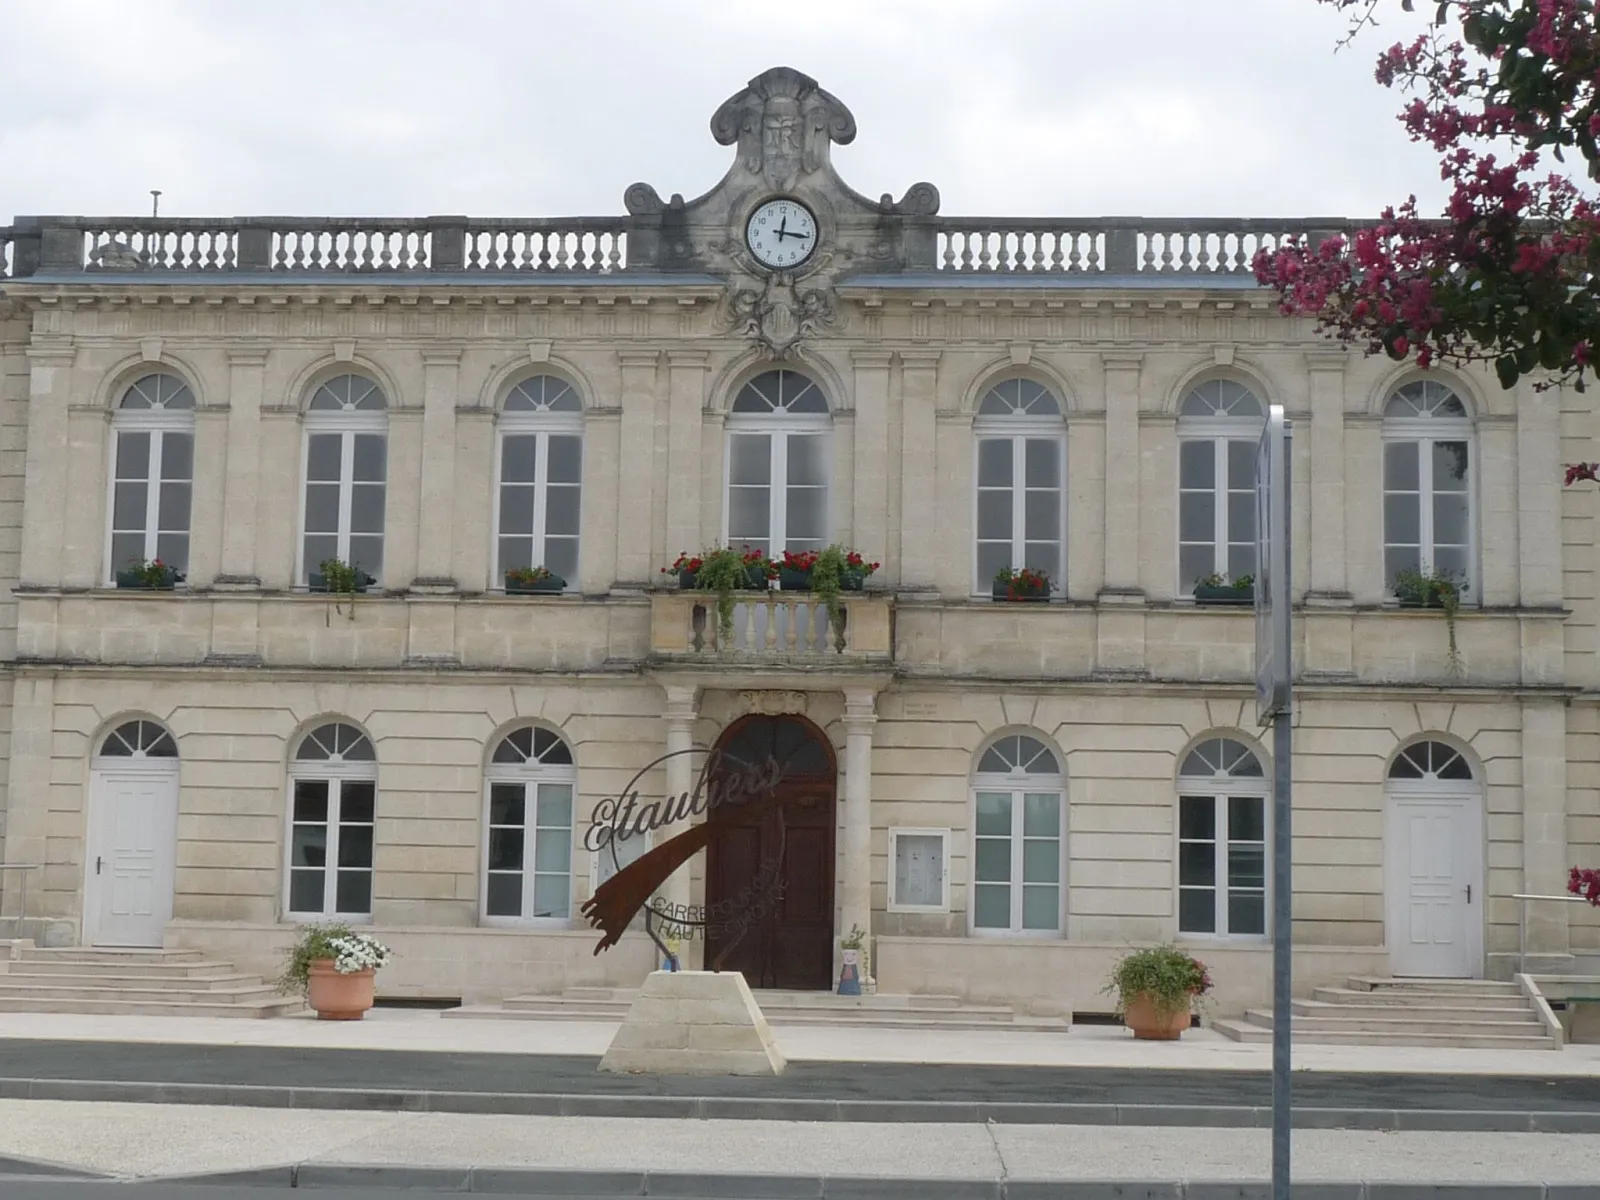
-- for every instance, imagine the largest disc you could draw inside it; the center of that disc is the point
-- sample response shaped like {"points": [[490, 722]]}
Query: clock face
{"points": [[781, 233]]}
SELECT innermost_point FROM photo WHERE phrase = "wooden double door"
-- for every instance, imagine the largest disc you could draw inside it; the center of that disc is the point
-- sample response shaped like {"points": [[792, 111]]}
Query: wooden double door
{"points": [[776, 939]]}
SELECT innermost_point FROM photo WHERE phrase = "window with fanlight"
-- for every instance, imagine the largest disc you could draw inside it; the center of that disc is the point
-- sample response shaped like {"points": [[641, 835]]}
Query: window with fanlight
{"points": [[530, 790], [139, 739], [1020, 443], [1222, 841], [1428, 506], [346, 476], [152, 475], [333, 794], [1429, 761], [1019, 827], [540, 478], [1219, 424], [779, 442]]}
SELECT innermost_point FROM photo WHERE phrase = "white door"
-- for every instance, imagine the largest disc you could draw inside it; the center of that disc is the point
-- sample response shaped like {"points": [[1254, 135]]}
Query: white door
{"points": [[133, 825], [1435, 886]]}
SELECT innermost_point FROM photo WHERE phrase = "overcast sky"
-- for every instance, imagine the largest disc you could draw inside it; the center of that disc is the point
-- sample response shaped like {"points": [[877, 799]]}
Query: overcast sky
{"points": [[553, 107]]}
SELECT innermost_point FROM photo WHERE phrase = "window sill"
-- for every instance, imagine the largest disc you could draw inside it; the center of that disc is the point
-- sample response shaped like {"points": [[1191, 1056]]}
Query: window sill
{"points": [[298, 918]]}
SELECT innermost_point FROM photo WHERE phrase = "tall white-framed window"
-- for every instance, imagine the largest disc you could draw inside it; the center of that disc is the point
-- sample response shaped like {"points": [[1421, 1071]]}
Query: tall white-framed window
{"points": [[1429, 520], [1222, 841], [540, 478], [779, 442], [529, 791], [1019, 840], [1219, 424], [1020, 439], [152, 475], [333, 793], [345, 468]]}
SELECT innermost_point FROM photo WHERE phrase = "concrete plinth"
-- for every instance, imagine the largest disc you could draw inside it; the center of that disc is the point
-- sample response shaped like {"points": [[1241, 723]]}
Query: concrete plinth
{"points": [[694, 1023]]}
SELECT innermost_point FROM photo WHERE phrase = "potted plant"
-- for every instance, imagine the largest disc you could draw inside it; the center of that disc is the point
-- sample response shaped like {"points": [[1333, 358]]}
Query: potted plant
{"points": [[856, 570], [685, 569], [1216, 589], [1026, 584], [724, 571], [338, 578], [1433, 589], [152, 575], [1156, 989], [760, 571], [851, 946], [794, 570], [528, 580], [333, 967]]}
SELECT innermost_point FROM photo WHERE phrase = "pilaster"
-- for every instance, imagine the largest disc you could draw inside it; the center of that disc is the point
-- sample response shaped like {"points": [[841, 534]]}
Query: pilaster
{"points": [[1120, 496], [206, 527], [1363, 476], [1545, 859], [436, 490], [1328, 584], [685, 398], [242, 468], [400, 528], [597, 547], [855, 896], [474, 541], [1088, 496], [44, 522], [1158, 504], [1497, 492], [870, 465], [82, 548], [916, 556], [1539, 497], [636, 466]]}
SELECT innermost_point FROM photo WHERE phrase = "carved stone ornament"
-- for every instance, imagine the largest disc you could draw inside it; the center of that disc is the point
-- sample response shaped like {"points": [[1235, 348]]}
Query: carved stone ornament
{"points": [[780, 314], [784, 125], [771, 704]]}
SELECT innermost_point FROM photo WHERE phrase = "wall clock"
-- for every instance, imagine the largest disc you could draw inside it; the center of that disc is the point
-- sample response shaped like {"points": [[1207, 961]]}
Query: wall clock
{"points": [[781, 233]]}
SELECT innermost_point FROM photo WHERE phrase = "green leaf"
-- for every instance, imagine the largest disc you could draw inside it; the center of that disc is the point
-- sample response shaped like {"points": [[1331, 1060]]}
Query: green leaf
{"points": [[1506, 368]]}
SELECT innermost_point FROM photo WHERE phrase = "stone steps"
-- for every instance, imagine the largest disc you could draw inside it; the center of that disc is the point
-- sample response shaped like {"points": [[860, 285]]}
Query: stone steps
{"points": [[1373, 1011], [145, 983]]}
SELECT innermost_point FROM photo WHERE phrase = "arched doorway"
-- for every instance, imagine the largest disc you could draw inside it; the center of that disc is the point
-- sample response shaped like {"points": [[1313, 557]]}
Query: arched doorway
{"points": [[133, 837], [792, 945]]}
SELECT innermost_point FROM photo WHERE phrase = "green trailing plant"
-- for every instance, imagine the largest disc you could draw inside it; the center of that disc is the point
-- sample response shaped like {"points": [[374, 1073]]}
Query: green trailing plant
{"points": [[342, 580], [1433, 589], [528, 576], [1167, 976], [350, 952], [827, 581], [153, 573], [854, 940], [1242, 584], [723, 571]]}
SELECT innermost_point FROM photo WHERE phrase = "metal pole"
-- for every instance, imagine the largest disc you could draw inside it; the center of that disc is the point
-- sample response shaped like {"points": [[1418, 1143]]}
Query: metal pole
{"points": [[1282, 944]]}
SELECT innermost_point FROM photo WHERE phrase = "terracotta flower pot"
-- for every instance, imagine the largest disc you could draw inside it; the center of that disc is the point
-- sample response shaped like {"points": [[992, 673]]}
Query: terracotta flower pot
{"points": [[1150, 1024], [339, 997]]}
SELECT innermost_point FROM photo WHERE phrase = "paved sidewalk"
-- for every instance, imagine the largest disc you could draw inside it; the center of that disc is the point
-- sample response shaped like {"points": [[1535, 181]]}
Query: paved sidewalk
{"points": [[1082, 1046], [144, 1141]]}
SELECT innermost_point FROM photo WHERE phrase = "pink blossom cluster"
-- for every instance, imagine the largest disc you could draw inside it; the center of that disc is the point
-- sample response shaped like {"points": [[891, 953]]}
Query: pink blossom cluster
{"points": [[1585, 882]]}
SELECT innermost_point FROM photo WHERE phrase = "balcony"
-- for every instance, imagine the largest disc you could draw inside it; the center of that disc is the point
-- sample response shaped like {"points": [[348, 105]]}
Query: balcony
{"points": [[790, 628]]}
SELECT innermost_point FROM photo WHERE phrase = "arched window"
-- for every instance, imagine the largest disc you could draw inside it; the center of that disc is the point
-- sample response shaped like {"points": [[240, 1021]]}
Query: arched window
{"points": [[152, 476], [779, 437], [1222, 841], [1020, 435], [333, 789], [1019, 823], [1219, 424], [1430, 761], [1427, 486], [541, 475], [138, 739], [346, 472], [530, 789]]}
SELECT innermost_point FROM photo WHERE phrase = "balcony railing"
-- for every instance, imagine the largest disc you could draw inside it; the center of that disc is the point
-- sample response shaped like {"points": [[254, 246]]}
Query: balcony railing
{"points": [[771, 626], [565, 246]]}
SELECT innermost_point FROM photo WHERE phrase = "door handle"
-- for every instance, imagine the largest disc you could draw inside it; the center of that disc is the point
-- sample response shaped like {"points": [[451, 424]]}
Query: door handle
{"points": [[98, 862], [1469, 893]]}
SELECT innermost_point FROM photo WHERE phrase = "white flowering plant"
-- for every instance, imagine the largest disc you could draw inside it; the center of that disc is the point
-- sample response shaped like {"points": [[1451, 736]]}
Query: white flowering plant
{"points": [[349, 950]]}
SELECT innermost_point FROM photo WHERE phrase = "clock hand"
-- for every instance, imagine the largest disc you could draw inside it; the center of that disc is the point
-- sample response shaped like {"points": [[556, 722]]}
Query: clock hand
{"points": [[783, 227], [783, 233]]}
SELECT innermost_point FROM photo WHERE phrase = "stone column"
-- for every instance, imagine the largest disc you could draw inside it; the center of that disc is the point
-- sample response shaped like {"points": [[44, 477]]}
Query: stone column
{"points": [[246, 381], [1088, 497], [46, 480], [1539, 498], [1545, 859], [436, 490], [918, 553], [636, 467], [860, 714], [1326, 439], [1497, 493], [681, 712], [870, 467], [686, 399], [1363, 490], [597, 548], [27, 824], [1121, 494]]}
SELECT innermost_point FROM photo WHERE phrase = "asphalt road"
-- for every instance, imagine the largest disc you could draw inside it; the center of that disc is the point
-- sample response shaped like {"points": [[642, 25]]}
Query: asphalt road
{"points": [[271, 1066]]}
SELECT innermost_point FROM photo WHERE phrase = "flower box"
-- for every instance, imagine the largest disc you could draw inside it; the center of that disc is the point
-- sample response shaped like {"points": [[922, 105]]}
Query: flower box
{"points": [[756, 578], [545, 586], [1018, 594], [318, 582], [1222, 594], [791, 580], [163, 581], [686, 581]]}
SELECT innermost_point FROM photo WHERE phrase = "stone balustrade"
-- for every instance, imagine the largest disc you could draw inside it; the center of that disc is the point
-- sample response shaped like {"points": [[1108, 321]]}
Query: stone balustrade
{"points": [[1108, 246], [771, 626]]}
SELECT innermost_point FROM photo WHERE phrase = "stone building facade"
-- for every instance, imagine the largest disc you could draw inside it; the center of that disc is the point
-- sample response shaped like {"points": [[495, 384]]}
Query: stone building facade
{"points": [[1011, 793]]}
